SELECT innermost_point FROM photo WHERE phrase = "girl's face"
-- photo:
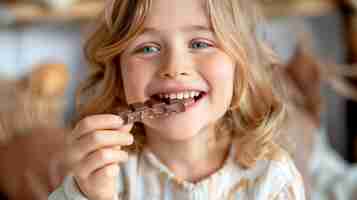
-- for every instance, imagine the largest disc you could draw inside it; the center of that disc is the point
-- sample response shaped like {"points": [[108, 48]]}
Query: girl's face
{"points": [[178, 55]]}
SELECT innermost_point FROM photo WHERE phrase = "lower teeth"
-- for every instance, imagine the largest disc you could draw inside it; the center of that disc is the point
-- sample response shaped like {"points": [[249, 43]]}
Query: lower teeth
{"points": [[168, 100]]}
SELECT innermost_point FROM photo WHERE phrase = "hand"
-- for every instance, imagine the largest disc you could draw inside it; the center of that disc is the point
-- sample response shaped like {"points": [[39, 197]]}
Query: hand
{"points": [[94, 153]]}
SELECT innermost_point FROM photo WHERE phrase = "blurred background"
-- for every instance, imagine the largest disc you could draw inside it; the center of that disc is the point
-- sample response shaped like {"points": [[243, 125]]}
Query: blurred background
{"points": [[43, 33]]}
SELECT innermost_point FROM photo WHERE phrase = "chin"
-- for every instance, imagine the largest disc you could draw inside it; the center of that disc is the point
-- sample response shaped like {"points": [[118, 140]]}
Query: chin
{"points": [[178, 130]]}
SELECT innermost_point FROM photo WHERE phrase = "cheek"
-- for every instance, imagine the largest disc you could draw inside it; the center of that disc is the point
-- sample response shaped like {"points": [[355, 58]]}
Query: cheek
{"points": [[219, 71], [135, 78]]}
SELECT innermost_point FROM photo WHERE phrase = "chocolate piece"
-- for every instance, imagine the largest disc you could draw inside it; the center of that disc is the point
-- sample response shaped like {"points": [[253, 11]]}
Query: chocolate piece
{"points": [[153, 109]]}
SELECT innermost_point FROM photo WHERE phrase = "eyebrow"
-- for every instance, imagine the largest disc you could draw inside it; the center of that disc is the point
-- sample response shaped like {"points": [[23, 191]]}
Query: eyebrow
{"points": [[191, 28]]}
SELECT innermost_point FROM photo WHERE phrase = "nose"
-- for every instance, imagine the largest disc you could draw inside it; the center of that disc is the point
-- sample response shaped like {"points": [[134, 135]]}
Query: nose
{"points": [[172, 74], [176, 65]]}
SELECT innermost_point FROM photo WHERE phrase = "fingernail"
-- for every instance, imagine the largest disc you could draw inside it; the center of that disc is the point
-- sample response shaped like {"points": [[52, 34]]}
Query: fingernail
{"points": [[131, 139], [120, 120]]}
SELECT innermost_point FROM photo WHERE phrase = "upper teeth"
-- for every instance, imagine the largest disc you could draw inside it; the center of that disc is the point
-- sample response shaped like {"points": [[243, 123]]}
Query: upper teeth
{"points": [[180, 95]]}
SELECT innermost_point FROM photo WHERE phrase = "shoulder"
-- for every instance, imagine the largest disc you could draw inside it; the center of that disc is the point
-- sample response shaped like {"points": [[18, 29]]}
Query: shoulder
{"points": [[274, 175], [284, 174], [280, 164], [274, 166]]}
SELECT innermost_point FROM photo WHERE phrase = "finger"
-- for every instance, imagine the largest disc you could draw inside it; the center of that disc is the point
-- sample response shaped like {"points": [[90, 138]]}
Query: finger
{"points": [[106, 172], [98, 160], [106, 175], [94, 141], [102, 139], [97, 122]]}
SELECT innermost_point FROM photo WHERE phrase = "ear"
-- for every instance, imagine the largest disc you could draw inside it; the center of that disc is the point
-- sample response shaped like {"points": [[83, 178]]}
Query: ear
{"points": [[49, 80]]}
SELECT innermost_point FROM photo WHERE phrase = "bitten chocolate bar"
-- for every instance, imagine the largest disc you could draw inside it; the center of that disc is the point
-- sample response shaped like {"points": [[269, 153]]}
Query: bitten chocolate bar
{"points": [[153, 109]]}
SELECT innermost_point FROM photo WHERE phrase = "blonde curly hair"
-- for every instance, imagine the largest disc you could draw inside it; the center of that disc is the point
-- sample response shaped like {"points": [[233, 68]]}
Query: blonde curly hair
{"points": [[256, 110]]}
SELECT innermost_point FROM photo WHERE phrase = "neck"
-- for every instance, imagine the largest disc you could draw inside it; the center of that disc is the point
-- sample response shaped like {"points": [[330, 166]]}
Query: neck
{"points": [[193, 159]]}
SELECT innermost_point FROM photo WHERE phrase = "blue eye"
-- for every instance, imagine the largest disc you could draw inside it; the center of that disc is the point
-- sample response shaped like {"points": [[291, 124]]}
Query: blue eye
{"points": [[199, 45], [149, 49]]}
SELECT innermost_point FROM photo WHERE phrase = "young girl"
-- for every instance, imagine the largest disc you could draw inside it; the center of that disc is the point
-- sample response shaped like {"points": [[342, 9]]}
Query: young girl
{"points": [[222, 147]]}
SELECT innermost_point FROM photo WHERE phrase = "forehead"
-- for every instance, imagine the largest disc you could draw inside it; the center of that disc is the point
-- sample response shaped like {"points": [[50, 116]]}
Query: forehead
{"points": [[171, 14]]}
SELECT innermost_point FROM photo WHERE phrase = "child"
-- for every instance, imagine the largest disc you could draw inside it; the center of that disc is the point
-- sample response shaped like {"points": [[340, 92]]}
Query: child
{"points": [[222, 147]]}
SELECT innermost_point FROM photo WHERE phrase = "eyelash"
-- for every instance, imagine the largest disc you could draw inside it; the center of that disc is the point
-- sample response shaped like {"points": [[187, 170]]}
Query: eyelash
{"points": [[142, 49], [207, 44]]}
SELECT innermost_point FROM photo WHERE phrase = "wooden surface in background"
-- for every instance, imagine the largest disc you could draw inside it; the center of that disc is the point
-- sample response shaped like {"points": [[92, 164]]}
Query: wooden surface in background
{"points": [[31, 13], [302, 8]]}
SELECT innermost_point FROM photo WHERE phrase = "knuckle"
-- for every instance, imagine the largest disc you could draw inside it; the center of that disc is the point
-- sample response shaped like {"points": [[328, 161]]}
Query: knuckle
{"points": [[70, 139], [104, 155], [110, 171], [107, 172], [84, 123], [79, 176], [69, 159], [95, 137]]}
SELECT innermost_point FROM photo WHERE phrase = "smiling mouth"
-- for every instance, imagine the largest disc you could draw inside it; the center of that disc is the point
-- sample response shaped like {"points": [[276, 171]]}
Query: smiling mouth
{"points": [[169, 98]]}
